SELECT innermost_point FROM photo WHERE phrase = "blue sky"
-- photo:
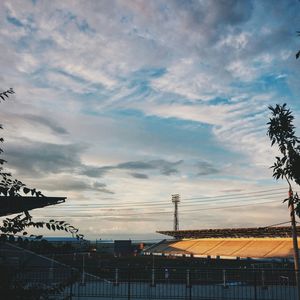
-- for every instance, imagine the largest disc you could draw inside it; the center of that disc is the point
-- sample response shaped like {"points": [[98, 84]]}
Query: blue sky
{"points": [[123, 102]]}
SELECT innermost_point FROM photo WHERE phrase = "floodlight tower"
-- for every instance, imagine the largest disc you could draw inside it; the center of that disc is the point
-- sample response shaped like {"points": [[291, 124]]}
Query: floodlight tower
{"points": [[176, 200]]}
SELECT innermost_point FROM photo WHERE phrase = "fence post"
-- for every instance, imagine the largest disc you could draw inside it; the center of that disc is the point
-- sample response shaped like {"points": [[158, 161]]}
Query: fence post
{"points": [[71, 285], [153, 278], [255, 285], [224, 279], [263, 279], [188, 283], [83, 271], [128, 285], [51, 270], [187, 277], [116, 277]]}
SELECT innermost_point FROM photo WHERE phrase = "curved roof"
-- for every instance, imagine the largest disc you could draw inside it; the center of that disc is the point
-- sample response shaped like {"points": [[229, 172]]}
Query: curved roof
{"points": [[227, 247], [279, 231]]}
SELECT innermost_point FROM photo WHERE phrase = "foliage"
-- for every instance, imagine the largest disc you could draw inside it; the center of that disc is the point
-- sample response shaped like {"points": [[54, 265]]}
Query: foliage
{"points": [[20, 223], [5, 95], [14, 187], [282, 132], [298, 53]]}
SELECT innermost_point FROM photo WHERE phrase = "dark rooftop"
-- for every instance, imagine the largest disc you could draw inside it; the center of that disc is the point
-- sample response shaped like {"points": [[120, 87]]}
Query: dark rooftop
{"points": [[12, 205], [256, 232]]}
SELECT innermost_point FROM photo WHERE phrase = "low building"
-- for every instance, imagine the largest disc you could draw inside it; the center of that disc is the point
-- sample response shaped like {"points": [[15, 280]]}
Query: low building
{"points": [[78, 244], [105, 246], [123, 248]]}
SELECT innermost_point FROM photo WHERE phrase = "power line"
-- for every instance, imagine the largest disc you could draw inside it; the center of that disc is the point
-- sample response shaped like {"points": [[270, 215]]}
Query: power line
{"points": [[237, 194], [200, 200], [169, 212], [282, 223], [167, 204], [126, 206]]}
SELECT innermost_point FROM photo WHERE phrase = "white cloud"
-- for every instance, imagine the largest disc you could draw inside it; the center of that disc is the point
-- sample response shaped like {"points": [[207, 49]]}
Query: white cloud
{"points": [[85, 65], [190, 79], [241, 70]]}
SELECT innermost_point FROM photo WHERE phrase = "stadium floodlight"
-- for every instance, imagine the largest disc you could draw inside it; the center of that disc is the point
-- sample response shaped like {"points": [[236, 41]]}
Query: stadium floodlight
{"points": [[176, 200]]}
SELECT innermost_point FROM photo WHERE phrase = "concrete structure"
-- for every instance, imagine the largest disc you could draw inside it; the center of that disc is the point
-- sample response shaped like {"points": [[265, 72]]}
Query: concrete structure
{"points": [[226, 248], [123, 248], [258, 243], [255, 232], [79, 244]]}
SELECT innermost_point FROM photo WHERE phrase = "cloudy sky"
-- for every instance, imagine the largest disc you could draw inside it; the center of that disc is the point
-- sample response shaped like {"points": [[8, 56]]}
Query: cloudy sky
{"points": [[120, 104]]}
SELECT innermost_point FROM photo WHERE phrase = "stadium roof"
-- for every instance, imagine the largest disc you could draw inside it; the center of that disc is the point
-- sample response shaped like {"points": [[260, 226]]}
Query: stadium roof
{"points": [[12, 205], [261, 248], [259, 232]]}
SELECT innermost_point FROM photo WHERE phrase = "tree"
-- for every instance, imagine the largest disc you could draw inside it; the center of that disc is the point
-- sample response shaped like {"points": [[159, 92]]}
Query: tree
{"points": [[287, 166], [17, 226], [282, 132], [298, 53], [13, 187]]}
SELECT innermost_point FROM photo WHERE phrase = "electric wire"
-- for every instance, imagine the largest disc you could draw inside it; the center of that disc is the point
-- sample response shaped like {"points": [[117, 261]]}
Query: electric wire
{"points": [[240, 194], [166, 203], [282, 223], [138, 208], [167, 212]]}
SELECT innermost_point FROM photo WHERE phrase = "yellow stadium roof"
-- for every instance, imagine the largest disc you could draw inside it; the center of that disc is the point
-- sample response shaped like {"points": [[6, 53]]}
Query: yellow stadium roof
{"points": [[227, 247]]}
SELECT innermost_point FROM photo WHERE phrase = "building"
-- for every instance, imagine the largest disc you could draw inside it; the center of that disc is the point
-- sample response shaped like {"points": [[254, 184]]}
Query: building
{"points": [[243, 243], [123, 248], [105, 246], [76, 244]]}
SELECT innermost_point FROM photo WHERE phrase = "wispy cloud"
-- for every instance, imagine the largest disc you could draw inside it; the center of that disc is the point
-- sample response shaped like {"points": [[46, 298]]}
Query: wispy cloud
{"points": [[139, 175], [206, 168], [164, 167], [113, 92]]}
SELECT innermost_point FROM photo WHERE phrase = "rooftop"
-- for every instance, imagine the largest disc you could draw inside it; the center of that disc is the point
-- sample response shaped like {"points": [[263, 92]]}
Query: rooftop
{"points": [[260, 248], [256, 232], [17, 204]]}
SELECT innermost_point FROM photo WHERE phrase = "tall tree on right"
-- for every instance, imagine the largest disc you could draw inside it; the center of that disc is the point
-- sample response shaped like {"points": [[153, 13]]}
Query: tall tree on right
{"points": [[281, 132]]}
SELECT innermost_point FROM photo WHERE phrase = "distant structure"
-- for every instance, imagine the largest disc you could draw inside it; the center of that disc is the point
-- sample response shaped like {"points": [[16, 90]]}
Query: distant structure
{"points": [[176, 200], [253, 232], [122, 248], [264, 243]]}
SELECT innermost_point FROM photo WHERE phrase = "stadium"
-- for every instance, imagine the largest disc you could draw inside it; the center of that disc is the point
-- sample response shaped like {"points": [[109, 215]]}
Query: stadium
{"points": [[263, 243]]}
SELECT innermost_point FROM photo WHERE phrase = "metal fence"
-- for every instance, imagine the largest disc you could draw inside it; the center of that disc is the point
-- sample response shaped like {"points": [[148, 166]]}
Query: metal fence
{"points": [[167, 283]]}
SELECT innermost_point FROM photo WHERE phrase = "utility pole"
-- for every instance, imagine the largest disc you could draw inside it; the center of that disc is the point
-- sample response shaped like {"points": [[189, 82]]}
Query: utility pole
{"points": [[176, 200]]}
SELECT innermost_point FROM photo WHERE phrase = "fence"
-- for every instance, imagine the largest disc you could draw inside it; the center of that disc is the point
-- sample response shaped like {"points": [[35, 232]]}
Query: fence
{"points": [[167, 283]]}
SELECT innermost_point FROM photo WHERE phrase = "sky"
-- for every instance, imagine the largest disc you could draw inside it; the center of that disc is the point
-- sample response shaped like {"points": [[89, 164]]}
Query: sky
{"points": [[120, 104]]}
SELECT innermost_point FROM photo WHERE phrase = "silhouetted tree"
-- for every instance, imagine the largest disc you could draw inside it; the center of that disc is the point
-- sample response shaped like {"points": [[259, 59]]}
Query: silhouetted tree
{"points": [[287, 166], [282, 132], [17, 226], [14, 187]]}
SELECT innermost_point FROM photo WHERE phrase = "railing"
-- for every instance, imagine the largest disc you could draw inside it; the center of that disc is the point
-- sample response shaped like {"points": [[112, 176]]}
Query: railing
{"points": [[167, 283]]}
